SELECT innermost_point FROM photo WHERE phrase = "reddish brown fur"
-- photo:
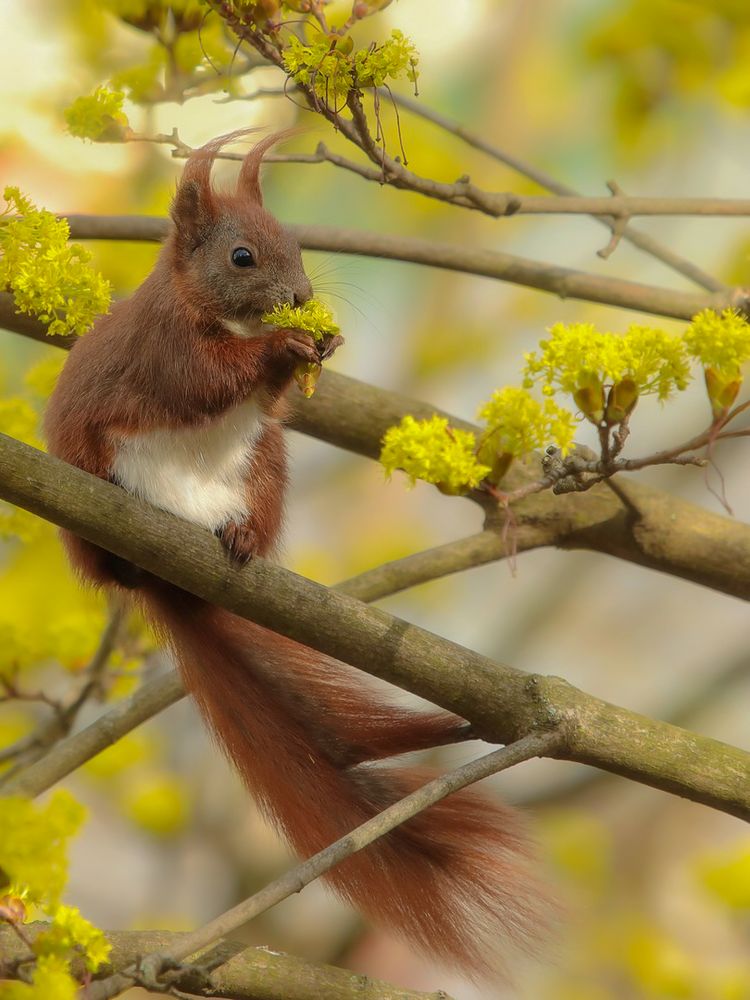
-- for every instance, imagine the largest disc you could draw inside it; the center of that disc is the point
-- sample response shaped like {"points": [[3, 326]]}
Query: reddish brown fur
{"points": [[302, 729]]}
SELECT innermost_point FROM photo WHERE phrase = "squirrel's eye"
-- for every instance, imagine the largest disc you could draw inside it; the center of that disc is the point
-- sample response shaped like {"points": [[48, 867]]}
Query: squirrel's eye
{"points": [[242, 257]]}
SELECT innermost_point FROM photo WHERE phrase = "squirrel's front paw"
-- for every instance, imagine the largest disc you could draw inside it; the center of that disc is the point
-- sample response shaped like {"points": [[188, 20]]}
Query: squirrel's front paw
{"points": [[299, 346], [240, 540]]}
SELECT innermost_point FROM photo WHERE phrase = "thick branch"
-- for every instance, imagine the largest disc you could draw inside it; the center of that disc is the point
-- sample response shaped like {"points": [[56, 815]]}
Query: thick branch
{"points": [[561, 281], [250, 974], [503, 704], [654, 529]]}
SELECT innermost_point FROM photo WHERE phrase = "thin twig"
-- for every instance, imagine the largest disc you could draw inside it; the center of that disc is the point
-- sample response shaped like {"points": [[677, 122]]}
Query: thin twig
{"points": [[498, 204], [150, 699], [441, 561], [642, 240], [533, 745], [563, 282], [33, 746]]}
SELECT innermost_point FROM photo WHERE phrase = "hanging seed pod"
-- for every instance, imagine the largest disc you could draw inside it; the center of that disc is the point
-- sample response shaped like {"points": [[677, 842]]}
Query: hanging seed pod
{"points": [[306, 376]]}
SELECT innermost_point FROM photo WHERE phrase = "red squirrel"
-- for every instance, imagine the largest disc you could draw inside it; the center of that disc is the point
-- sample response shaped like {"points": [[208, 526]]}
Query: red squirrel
{"points": [[177, 396]]}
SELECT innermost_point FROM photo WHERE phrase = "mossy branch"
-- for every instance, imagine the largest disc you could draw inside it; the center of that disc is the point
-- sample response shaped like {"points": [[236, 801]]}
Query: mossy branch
{"points": [[502, 703], [247, 973]]}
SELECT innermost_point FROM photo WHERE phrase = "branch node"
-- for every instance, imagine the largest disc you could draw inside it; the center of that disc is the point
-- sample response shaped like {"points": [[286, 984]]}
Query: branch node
{"points": [[619, 224]]}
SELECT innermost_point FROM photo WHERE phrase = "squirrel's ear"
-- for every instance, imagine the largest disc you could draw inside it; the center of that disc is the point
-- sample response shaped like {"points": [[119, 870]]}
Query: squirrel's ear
{"points": [[248, 182], [193, 209]]}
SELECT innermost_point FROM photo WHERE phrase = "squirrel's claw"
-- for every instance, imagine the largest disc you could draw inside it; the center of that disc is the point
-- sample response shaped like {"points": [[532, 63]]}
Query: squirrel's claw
{"points": [[240, 540], [328, 345]]}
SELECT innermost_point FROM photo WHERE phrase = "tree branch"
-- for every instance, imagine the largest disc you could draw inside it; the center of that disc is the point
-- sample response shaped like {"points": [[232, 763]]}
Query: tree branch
{"points": [[366, 833], [442, 560], [69, 754], [498, 204], [247, 974], [639, 239], [503, 704], [564, 282], [655, 529], [33, 746]]}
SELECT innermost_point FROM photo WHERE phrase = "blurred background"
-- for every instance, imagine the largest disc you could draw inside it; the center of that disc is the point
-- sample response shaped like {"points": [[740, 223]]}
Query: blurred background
{"points": [[652, 93]]}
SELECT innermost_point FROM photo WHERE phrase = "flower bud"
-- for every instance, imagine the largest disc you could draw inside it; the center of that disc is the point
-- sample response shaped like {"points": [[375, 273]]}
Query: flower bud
{"points": [[722, 390], [589, 398], [452, 491], [621, 401]]}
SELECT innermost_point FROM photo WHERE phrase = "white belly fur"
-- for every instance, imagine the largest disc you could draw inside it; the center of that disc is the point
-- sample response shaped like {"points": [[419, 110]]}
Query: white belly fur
{"points": [[197, 473]]}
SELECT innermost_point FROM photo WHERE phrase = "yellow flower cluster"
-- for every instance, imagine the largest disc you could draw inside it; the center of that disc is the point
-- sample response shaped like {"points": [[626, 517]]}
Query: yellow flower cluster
{"points": [[312, 316], [721, 343], [33, 842], [577, 355], [98, 117], [517, 424], [70, 932], [719, 340], [157, 803], [48, 277], [726, 876], [332, 69], [433, 451], [33, 871], [50, 980], [151, 797]]}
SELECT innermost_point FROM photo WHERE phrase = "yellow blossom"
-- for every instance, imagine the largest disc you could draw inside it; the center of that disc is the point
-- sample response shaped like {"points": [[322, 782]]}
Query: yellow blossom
{"points": [[50, 980], [517, 424], [312, 316], [719, 340], [727, 877], [332, 69], [33, 843], [433, 451], [48, 277], [98, 117], [158, 803], [575, 356], [68, 932]]}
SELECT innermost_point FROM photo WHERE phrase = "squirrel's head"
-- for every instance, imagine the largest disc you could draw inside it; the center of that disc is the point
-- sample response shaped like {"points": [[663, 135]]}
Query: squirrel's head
{"points": [[227, 246]]}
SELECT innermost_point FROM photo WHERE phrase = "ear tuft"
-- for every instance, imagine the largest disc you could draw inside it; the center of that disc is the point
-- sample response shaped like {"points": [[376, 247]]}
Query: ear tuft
{"points": [[194, 208], [248, 182]]}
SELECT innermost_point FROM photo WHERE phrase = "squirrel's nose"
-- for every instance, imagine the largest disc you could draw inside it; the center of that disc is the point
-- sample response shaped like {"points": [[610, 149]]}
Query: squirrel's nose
{"points": [[303, 293]]}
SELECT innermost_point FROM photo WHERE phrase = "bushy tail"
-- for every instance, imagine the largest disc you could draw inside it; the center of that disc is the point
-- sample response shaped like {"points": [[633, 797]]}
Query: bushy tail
{"points": [[456, 880]]}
